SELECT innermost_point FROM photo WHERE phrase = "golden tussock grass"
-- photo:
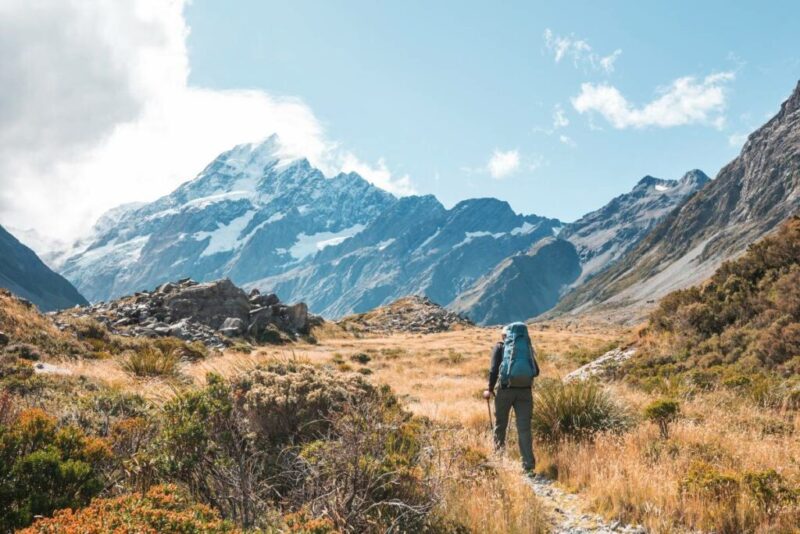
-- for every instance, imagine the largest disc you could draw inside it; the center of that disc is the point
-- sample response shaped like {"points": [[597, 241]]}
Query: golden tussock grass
{"points": [[636, 476]]}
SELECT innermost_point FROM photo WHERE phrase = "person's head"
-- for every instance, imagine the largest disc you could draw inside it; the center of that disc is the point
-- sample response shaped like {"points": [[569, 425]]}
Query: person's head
{"points": [[504, 333]]}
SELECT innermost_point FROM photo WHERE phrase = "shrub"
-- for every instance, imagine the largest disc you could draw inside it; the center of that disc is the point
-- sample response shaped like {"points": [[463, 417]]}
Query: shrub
{"points": [[662, 412], [151, 362], [162, 509], [575, 410], [44, 468], [289, 399], [705, 481], [368, 474]]}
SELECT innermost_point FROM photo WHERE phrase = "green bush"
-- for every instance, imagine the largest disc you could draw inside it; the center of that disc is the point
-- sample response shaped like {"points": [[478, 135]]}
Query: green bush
{"points": [[44, 468], [662, 412], [575, 410]]}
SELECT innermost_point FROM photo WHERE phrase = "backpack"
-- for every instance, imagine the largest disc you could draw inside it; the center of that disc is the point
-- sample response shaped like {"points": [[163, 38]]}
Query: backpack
{"points": [[519, 367]]}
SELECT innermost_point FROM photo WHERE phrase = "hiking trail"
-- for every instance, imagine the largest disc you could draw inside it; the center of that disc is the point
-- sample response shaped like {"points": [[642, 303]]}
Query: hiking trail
{"points": [[568, 512]]}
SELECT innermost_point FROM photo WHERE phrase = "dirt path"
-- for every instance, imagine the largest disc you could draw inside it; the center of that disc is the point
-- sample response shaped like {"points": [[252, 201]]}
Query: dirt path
{"points": [[568, 512]]}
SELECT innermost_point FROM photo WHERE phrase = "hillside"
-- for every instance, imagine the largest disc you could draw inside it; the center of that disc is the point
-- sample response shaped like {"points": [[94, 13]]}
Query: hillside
{"points": [[743, 321], [749, 197], [23, 273]]}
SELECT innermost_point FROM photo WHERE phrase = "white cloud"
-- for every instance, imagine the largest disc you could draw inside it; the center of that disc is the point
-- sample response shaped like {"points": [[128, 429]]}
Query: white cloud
{"points": [[501, 164], [566, 140], [685, 101], [579, 51], [378, 174], [96, 110], [560, 120]]}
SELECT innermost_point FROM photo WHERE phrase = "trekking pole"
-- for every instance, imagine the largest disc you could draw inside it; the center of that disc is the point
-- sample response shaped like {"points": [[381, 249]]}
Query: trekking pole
{"points": [[489, 408]]}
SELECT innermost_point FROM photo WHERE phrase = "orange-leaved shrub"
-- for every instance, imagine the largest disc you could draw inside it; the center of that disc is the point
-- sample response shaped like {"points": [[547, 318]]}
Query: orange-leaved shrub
{"points": [[161, 509]]}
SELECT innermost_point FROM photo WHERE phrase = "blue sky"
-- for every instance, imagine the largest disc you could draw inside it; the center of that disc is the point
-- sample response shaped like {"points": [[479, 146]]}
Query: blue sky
{"points": [[436, 88], [554, 107]]}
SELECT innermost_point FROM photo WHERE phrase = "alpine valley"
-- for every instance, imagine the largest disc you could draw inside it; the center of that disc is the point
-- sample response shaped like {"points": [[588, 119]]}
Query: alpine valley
{"points": [[343, 246]]}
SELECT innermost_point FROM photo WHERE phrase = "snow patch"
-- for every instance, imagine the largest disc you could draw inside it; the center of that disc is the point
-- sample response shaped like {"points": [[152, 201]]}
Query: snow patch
{"points": [[525, 229], [307, 245], [383, 244], [226, 236], [661, 187], [469, 236]]}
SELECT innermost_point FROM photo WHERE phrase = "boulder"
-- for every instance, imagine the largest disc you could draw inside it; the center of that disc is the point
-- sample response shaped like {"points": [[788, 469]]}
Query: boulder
{"points": [[4, 339], [298, 316], [233, 326], [259, 319], [210, 304]]}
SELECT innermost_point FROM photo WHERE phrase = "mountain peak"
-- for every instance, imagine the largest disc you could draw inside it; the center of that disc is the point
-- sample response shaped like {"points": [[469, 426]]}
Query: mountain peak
{"points": [[695, 177], [792, 103]]}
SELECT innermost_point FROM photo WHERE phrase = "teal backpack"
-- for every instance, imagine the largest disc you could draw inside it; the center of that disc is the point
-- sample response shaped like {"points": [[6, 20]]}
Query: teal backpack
{"points": [[519, 367]]}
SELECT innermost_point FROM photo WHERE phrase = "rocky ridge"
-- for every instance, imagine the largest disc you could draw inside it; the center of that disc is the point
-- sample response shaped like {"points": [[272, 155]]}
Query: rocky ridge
{"points": [[750, 196], [214, 313], [413, 314]]}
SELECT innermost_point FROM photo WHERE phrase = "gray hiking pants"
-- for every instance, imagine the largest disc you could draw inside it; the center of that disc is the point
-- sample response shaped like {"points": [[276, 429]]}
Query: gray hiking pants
{"points": [[521, 400]]}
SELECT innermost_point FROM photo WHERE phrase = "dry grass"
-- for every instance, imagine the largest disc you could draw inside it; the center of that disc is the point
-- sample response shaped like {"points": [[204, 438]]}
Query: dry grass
{"points": [[25, 324], [641, 477], [636, 476], [440, 376]]}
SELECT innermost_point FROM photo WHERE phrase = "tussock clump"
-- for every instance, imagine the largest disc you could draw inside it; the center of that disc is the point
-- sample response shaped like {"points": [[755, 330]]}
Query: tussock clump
{"points": [[575, 410], [151, 362]]}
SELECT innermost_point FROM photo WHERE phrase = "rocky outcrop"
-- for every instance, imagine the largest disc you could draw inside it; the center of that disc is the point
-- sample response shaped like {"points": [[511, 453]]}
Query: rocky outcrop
{"points": [[602, 367], [25, 275], [749, 197], [213, 313], [414, 314]]}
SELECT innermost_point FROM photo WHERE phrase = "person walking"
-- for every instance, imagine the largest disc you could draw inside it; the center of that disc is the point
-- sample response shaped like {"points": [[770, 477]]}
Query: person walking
{"points": [[512, 370]]}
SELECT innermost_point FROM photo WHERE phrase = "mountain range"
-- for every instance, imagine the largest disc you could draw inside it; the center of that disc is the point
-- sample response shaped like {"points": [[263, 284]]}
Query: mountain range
{"points": [[343, 245]]}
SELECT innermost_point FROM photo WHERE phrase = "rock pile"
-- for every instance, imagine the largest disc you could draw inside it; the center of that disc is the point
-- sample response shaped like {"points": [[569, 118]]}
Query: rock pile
{"points": [[212, 313], [415, 314]]}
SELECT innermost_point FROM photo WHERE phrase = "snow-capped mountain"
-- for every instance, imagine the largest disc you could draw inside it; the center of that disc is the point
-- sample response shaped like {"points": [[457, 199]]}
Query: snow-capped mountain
{"points": [[342, 245], [248, 215], [415, 247]]}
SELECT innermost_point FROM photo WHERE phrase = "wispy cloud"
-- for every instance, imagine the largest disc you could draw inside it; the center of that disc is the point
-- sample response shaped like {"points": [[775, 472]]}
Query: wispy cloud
{"points": [[685, 101], [501, 164], [579, 51], [560, 119], [565, 139]]}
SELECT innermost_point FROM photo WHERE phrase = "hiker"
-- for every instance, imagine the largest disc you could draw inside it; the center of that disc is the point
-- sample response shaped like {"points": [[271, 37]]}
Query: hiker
{"points": [[513, 369]]}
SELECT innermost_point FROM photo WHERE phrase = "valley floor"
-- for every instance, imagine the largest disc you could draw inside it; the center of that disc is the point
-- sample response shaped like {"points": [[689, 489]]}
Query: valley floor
{"points": [[637, 477]]}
